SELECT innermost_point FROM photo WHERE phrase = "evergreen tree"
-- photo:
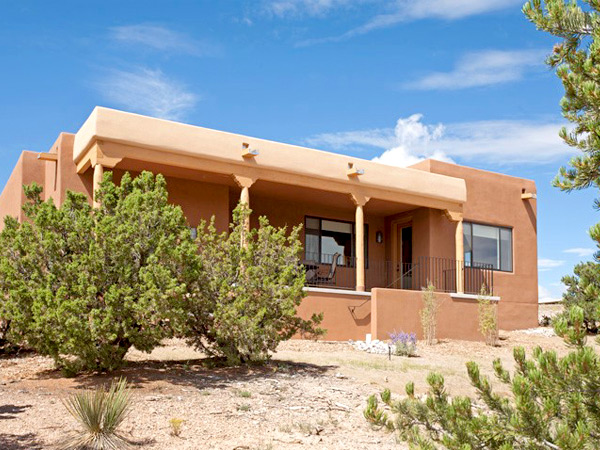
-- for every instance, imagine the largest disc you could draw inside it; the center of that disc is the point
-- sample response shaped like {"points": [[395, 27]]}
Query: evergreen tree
{"points": [[554, 403], [576, 59], [577, 62], [583, 290], [83, 285]]}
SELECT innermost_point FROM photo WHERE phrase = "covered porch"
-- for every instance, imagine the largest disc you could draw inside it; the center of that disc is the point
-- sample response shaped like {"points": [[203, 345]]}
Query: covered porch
{"points": [[354, 243], [366, 225]]}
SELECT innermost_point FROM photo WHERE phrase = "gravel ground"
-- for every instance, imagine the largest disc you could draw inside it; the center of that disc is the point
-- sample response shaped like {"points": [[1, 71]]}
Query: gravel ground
{"points": [[310, 396]]}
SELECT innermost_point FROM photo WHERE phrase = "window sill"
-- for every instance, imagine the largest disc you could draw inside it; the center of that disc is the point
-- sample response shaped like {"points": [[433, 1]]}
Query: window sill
{"points": [[338, 291], [473, 297]]}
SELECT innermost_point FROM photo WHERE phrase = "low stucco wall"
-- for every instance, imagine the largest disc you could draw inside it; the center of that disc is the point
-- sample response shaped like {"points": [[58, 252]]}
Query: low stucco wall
{"points": [[345, 316], [395, 309]]}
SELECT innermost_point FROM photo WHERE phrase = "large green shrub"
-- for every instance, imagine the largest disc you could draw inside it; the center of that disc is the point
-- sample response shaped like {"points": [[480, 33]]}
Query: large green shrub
{"points": [[554, 403], [83, 285], [252, 282]]}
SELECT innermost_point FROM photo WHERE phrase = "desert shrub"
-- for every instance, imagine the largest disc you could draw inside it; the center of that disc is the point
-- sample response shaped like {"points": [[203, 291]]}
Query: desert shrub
{"points": [[554, 403], [246, 299], [545, 320], [431, 307], [83, 285], [99, 413], [404, 344], [583, 290], [488, 318], [176, 425]]}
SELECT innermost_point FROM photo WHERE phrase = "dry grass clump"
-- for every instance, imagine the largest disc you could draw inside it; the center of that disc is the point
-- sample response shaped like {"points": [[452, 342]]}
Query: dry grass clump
{"points": [[99, 413], [431, 306], [488, 318]]}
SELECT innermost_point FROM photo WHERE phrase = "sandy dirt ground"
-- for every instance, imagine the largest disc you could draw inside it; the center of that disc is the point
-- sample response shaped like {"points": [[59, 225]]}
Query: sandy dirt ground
{"points": [[310, 396]]}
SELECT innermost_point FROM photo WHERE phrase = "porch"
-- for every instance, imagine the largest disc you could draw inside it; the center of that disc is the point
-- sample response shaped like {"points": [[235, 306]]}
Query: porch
{"points": [[391, 226]]}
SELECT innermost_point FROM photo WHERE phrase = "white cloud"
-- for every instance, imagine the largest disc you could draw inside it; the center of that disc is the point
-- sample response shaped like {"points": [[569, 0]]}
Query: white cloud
{"points": [[147, 91], [581, 252], [545, 264], [546, 295], [161, 38], [500, 142], [401, 11], [311, 8], [481, 69]]}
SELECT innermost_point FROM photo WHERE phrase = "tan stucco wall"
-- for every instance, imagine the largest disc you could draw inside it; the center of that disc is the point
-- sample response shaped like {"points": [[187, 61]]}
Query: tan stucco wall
{"points": [[198, 200], [399, 310], [349, 316], [27, 170], [344, 316], [113, 135], [495, 199]]}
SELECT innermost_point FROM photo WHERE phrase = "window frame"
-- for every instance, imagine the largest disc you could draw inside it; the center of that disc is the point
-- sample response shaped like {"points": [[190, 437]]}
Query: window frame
{"points": [[499, 227], [353, 242]]}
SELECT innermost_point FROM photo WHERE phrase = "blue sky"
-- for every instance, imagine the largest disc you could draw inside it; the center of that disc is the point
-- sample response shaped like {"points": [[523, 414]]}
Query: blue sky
{"points": [[460, 80]]}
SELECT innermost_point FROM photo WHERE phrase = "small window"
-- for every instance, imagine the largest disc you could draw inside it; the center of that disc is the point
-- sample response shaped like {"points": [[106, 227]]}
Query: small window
{"points": [[486, 245], [194, 232], [324, 238]]}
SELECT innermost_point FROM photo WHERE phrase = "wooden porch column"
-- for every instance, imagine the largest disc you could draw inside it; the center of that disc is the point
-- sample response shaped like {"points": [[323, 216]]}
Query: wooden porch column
{"points": [[460, 256], [359, 232], [245, 183], [457, 217], [98, 174]]}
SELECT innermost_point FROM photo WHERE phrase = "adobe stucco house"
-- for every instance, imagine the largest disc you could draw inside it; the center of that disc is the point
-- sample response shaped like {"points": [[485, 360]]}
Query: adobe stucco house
{"points": [[374, 234]]}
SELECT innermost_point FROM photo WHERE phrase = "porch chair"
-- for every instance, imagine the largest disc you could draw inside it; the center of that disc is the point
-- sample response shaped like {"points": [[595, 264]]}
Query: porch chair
{"points": [[330, 277]]}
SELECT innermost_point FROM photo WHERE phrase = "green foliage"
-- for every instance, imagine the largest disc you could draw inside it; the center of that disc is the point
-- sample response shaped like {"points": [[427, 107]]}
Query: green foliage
{"points": [[577, 62], [83, 285], [488, 318], [431, 307], [583, 290], [554, 403], [245, 301], [99, 413], [576, 59]]}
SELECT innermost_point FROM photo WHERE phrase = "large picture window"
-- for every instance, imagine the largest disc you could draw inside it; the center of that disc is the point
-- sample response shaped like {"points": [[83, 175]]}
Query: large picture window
{"points": [[488, 245], [324, 238]]}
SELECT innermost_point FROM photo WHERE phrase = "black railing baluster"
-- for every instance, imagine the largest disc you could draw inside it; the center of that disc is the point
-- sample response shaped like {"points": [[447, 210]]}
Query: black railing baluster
{"points": [[339, 272]]}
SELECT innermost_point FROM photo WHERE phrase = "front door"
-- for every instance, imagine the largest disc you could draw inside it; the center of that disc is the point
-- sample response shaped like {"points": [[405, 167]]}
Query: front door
{"points": [[403, 278]]}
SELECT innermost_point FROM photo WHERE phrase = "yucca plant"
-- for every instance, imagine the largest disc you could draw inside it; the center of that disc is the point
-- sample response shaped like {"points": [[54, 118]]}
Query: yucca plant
{"points": [[99, 412]]}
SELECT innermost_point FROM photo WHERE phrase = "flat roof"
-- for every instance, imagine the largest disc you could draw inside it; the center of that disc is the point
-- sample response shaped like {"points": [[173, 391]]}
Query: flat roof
{"points": [[311, 166]]}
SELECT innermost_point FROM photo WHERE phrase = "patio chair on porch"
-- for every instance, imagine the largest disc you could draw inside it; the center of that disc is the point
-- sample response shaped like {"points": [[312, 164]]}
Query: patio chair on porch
{"points": [[330, 277]]}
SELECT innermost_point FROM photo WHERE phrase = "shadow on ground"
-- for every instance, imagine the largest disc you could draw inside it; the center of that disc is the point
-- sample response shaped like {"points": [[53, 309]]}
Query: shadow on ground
{"points": [[10, 411], [197, 373], [20, 441]]}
